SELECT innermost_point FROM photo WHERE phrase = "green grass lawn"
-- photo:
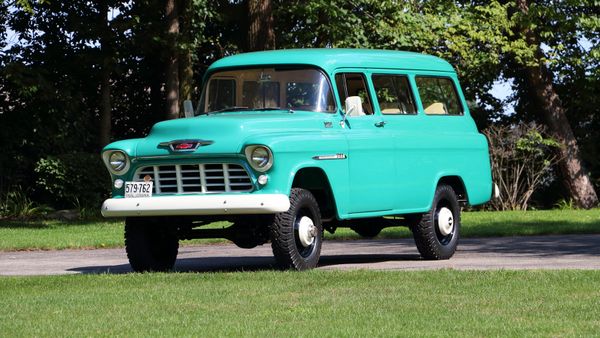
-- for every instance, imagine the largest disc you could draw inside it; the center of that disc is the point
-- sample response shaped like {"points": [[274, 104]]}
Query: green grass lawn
{"points": [[313, 303], [34, 235]]}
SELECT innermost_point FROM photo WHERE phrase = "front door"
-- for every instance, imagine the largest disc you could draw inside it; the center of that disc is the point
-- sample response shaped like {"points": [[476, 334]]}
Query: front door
{"points": [[370, 150]]}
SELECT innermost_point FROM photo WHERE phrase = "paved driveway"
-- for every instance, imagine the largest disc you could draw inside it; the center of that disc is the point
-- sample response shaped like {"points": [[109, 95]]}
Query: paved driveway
{"points": [[539, 252]]}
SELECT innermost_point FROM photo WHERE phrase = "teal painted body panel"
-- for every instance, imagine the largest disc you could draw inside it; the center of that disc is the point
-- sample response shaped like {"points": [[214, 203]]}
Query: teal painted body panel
{"points": [[330, 59], [387, 170]]}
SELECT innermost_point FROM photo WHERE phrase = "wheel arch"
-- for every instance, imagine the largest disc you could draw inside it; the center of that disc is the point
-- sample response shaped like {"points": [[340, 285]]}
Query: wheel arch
{"points": [[457, 184], [315, 180]]}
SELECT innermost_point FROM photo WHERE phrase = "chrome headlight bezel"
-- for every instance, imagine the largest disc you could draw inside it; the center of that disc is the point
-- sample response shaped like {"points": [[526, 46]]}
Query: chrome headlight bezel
{"points": [[259, 157], [110, 162]]}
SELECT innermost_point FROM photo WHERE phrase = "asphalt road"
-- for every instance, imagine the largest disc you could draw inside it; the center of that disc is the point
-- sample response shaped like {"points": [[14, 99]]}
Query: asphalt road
{"points": [[539, 252]]}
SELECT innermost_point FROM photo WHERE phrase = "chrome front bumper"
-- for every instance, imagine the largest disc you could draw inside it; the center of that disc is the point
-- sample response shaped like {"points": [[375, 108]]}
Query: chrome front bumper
{"points": [[196, 205]]}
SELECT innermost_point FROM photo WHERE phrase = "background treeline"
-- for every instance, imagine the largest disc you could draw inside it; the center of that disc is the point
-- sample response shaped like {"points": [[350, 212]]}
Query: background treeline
{"points": [[75, 75]]}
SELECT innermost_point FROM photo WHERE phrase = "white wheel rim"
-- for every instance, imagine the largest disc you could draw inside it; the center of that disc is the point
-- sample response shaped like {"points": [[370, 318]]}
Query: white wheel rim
{"points": [[306, 231], [445, 221]]}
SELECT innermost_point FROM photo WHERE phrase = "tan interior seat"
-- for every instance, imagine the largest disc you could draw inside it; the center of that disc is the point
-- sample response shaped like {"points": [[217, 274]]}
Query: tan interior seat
{"points": [[391, 111], [436, 108]]}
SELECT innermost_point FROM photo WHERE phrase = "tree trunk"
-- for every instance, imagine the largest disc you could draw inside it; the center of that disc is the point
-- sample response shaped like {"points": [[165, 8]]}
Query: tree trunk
{"points": [[172, 72], [575, 177], [157, 103], [261, 35], [186, 71], [105, 103]]}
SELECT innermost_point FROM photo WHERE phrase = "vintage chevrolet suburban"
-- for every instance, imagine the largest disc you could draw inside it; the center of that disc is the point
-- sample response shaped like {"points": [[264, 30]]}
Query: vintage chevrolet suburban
{"points": [[286, 144]]}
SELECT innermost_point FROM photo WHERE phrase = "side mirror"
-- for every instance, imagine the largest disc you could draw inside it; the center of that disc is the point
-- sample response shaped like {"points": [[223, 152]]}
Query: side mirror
{"points": [[354, 106], [188, 108]]}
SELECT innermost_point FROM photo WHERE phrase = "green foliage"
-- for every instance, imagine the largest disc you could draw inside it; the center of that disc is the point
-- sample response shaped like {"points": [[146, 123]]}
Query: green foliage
{"points": [[565, 204], [69, 180], [533, 143], [52, 177], [50, 73], [16, 204], [474, 38]]}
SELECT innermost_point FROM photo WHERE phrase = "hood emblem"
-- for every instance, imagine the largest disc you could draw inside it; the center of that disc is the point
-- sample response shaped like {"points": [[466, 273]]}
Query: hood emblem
{"points": [[185, 145]]}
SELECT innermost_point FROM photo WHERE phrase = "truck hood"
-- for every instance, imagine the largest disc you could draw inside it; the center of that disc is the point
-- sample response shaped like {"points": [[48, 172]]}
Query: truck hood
{"points": [[226, 132]]}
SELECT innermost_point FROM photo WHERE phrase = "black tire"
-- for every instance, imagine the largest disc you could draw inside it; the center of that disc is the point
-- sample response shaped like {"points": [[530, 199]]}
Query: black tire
{"points": [[368, 231], [288, 248], [433, 242], [150, 246]]}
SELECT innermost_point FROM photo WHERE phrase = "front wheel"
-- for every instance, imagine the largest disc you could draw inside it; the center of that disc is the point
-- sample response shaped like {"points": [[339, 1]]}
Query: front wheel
{"points": [[150, 245], [297, 234], [437, 231]]}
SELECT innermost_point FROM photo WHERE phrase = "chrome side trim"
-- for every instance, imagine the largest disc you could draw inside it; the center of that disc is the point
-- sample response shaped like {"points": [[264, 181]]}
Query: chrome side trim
{"points": [[330, 157]]}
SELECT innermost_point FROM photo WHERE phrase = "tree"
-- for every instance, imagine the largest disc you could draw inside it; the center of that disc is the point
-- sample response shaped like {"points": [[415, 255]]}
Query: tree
{"points": [[172, 61], [107, 51], [540, 78], [261, 34], [484, 41]]}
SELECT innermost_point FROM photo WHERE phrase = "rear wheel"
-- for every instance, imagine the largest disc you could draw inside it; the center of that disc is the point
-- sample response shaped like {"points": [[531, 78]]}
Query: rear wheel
{"points": [[437, 232], [297, 234], [150, 245]]}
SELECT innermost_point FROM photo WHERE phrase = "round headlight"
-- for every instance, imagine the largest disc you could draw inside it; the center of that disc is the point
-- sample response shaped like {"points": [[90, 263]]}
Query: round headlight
{"points": [[117, 161], [260, 157]]}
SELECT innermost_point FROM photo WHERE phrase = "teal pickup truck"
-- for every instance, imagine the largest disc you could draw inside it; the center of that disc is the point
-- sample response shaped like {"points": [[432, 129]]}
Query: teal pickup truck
{"points": [[286, 144]]}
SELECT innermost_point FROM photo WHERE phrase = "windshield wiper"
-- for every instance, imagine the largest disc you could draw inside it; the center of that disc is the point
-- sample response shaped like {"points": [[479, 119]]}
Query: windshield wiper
{"points": [[239, 108], [268, 108], [235, 108]]}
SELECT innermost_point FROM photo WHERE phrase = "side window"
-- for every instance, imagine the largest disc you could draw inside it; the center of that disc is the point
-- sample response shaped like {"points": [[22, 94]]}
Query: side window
{"points": [[221, 93], [260, 94], [394, 94], [438, 96], [353, 84]]}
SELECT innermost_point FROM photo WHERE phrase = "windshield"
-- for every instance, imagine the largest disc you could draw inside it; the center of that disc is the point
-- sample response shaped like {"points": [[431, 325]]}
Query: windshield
{"points": [[267, 89]]}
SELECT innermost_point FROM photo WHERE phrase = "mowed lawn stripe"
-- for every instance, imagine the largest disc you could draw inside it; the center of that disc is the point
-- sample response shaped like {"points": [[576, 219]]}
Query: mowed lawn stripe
{"points": [[314, 303]]}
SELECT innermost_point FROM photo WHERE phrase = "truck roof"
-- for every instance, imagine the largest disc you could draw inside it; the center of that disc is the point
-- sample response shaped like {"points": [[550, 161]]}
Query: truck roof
{"points": [[330, 59]]}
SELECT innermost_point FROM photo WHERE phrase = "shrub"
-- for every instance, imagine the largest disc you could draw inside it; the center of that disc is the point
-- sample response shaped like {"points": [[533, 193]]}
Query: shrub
{"points": [[522, 159], [72, 180], [17, 204]]}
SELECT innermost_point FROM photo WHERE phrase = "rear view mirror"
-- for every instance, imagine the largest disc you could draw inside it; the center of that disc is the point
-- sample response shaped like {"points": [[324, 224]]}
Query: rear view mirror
{"points": [[188, 108], [354, 106]]}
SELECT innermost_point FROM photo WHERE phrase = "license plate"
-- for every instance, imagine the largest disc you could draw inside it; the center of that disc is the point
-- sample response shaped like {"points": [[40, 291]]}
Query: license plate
{"points": [[138, 189]]}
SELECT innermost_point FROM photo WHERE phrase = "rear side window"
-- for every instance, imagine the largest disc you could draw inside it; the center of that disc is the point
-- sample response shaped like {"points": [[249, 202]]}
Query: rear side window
{"points": [[394, 95], [438, 96]]}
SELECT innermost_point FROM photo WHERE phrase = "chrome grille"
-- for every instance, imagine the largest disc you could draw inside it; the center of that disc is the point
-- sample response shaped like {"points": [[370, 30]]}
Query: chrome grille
{"points": [[196, 178]]}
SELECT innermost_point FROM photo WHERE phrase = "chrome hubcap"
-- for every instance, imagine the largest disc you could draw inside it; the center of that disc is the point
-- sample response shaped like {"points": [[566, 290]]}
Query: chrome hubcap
{"points": [[306, 231], [445, 221]]}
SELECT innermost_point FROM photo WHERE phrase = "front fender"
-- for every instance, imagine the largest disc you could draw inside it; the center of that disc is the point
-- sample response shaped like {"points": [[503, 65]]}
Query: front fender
{"points": [[294, 152]]}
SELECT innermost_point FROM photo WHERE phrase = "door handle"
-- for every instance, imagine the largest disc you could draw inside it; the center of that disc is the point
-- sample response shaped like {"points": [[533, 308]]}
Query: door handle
{"points": [[380, 124]]}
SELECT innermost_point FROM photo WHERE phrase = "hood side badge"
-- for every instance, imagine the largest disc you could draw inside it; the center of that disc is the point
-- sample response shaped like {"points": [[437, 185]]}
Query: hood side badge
{"points": [[185, 145]]}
